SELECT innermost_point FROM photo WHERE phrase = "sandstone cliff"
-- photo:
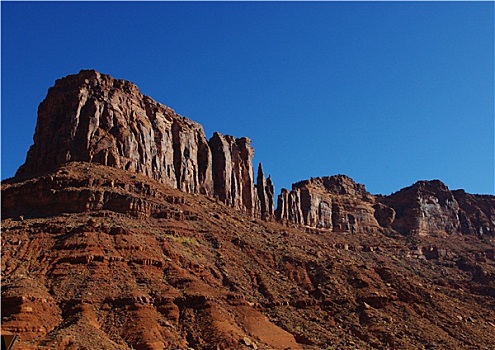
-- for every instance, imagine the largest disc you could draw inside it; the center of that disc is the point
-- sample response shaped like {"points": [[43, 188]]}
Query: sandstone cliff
{"points": [[335, 202], [429, 207], [102, 258], [265, 189], [339, 204], [106, 243], [93, 117]]}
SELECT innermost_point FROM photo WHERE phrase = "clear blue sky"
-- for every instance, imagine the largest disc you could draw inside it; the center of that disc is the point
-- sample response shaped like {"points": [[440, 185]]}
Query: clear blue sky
{"points": [[387, 93]]}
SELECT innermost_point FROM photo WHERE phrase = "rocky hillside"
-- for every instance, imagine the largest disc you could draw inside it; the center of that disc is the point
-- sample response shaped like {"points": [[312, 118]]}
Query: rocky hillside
{"points": [[127, 228]]}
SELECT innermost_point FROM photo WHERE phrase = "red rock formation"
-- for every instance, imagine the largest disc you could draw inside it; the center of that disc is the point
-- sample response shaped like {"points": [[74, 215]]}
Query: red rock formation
{"points": [[335, 202], [93, 117], [233, 172], [97, 254], [477, 214], [265, 190], [429, 207], [289, 207], [424, 208]]}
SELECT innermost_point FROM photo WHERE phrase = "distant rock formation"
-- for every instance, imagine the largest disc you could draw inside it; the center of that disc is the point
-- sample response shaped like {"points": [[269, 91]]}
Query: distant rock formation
{"points": [[339, 204], [93, 117], [429, 207], [265, 189], [233, 171], [335, 202]]}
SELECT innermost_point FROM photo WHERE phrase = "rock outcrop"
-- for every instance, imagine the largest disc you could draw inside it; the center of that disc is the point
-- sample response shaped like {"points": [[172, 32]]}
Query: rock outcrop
{"points": [[106, 243], [265, 190], [335, 202], [478, 213], [429, 207], [339, 204], [233, 171], [424, 208], [93, 117]]}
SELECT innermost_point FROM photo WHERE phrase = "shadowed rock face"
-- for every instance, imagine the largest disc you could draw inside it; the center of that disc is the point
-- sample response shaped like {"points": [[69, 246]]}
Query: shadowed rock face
{"points": [[265, 192], [233, 171]]}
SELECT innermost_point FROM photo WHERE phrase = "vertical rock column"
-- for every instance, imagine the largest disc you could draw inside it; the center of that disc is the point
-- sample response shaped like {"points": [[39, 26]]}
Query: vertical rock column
{"points": [[289, 207], [233, 172], [192, 158], [265, 191]]}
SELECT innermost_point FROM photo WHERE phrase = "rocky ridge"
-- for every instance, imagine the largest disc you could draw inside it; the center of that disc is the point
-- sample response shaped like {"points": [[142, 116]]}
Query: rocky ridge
{"points": [[93, 117], [127, 228]]}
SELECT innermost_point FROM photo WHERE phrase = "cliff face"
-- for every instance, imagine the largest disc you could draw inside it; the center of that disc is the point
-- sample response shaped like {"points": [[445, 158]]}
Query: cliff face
{"points": [[106, 243], [430, 207], [233, 172], [102, 258], [265, 190], [339, 204], [93, 117], [336, 203]]}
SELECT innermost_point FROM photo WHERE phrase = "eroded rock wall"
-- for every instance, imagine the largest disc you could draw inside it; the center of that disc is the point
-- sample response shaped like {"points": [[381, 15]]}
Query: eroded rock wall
{"points": [[265, 191], [233, 176], [336, 203], [426, 208], [93, 117], [429, 207]]}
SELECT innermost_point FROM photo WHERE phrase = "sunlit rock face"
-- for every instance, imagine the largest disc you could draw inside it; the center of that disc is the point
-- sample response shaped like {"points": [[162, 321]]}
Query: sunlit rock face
{"points": [[93, 117], [429, 207], [477, 214], [336, 203]]}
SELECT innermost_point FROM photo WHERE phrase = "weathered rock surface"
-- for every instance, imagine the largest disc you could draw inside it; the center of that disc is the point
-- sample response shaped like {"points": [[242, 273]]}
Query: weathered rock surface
{"points": [[335, 202], [429, 207], [339, 204], [107, 244], [233, 172], [477, 214], [265, 190], [95, 118], [98, 257], [92, 117]]}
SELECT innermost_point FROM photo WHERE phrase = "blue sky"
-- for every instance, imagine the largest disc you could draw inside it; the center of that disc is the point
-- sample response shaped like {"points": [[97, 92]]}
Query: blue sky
{"points": [[387, 93]]}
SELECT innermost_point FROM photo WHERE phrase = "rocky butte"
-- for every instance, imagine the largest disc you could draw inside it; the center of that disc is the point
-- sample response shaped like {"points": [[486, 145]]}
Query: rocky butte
{"points": [[128, 228]]}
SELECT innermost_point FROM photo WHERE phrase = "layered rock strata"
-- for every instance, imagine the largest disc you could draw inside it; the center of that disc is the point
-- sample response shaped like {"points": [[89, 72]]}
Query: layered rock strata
{"points": [[93, 117]]}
